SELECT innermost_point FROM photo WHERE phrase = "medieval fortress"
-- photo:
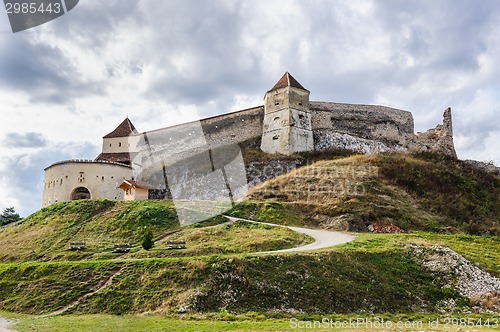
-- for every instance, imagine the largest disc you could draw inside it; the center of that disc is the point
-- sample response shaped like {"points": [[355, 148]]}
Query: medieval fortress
{"points": [[287, 123]]}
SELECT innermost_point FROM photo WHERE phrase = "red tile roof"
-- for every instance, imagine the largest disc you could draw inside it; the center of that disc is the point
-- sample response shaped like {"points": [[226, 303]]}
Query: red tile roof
{"points": [[133, 183], [124, 129], [117, 157], [287, 80]]}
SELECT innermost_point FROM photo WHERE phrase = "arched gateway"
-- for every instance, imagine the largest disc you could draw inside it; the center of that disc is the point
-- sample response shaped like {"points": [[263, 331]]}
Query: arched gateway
{"points": [[80, 193]]}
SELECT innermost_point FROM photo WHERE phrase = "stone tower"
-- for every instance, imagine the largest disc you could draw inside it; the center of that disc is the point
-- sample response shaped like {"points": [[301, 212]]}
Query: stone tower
{"points": [[287, 118], [118, 145]]}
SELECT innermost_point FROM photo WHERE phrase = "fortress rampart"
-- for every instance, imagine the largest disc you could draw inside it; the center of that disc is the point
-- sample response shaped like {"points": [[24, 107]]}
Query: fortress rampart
{"points": [[287, 123]]}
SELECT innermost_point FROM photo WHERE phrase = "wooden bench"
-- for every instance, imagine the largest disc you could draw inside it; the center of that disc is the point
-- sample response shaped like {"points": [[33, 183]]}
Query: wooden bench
{"points": [[123, 248], [77, 245], [176, 244]]}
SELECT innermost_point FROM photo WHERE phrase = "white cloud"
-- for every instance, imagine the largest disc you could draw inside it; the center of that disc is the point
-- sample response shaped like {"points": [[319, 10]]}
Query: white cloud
{"points": [[76, 78]]}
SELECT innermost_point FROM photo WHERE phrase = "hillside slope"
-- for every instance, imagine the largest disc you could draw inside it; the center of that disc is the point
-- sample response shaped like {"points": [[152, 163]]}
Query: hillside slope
{"points": [[217, 272], [46, 235], [374, 274], [422, 192], [100, 223]]}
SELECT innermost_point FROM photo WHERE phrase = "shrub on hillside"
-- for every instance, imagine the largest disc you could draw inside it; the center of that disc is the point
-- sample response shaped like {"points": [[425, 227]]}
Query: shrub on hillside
{"points": [[147, 240]]}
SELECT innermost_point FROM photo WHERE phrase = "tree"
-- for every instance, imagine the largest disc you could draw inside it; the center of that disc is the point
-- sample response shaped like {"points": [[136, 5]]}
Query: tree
{"points": [[8, 216], [147, 239]]}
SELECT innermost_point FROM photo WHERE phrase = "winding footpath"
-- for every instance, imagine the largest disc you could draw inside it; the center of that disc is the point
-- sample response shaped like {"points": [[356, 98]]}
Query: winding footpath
{"points": [[322, 238], [5, 324]]}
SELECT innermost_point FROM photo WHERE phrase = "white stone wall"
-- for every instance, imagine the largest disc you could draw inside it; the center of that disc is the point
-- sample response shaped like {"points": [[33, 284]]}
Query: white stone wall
{"points": [[100, 178], [119, 144]]}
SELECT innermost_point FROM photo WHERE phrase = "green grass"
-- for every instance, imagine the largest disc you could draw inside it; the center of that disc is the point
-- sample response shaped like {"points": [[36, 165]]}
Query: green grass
{"points": [[343, 282], [481, 250], [375, 273], [221, 322], [46, 234], [219, 276], [102, 224], [238, 237]]}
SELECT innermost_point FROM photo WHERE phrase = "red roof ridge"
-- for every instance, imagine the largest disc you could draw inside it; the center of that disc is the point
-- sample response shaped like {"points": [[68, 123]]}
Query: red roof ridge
{"points": [[288, 80], [124, 129]]}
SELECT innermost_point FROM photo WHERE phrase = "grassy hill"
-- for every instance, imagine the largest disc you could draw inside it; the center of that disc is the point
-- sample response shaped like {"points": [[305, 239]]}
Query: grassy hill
{"points": [[46, 235], [423, 192], [374, 274], [219, 271]]}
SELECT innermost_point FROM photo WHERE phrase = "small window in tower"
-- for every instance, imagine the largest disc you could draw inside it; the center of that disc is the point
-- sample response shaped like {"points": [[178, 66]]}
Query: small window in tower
{"points": [[102, 179], [109, 144], [276, 102], [61, 183], [119, 144], [276, 137], [301, 116], [276, 118]]}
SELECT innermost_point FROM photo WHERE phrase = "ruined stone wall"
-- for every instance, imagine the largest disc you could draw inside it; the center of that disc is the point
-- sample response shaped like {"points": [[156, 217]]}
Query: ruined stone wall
{"points": [[375, 129], [195, 149], [436, 140], [362, 128], [365, 121]]}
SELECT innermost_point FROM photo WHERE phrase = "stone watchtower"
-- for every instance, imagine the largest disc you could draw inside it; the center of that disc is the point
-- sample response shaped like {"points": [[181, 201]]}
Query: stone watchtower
{"points": [[287, 118]]}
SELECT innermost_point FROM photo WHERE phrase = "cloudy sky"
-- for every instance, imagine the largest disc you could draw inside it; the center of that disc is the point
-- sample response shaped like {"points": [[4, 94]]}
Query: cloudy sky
{"points": [[65, 84]]}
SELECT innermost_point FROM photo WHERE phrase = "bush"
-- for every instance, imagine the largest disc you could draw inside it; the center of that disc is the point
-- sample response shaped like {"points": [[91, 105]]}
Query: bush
{"points": [[147, 240]]}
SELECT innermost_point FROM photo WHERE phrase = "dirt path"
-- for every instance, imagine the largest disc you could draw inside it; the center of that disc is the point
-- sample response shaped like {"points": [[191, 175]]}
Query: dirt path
{"points": [[5, 324], [322, 238], [108, 282]]}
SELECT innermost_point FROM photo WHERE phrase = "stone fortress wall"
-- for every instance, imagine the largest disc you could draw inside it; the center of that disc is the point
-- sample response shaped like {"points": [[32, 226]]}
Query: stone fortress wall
{"points": [[361, 128], [287, 123]]}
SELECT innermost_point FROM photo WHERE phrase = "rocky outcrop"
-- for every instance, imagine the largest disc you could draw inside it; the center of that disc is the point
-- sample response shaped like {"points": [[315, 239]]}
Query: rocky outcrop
{"points": [[460, 274]]}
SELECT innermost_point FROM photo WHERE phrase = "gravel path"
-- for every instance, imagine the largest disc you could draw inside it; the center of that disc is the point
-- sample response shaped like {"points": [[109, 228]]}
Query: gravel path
{"points": [[4, 325], [322, 238]]}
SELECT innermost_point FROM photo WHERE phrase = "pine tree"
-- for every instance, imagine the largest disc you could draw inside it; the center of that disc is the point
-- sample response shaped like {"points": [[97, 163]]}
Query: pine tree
{"points": [[9, 215], [147, 239]]}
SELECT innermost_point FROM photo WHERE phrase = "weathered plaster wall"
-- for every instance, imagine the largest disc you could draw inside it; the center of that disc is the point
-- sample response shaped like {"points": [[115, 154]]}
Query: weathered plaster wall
{"points": [[119, 144], [287, 122], [100, 178]]}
